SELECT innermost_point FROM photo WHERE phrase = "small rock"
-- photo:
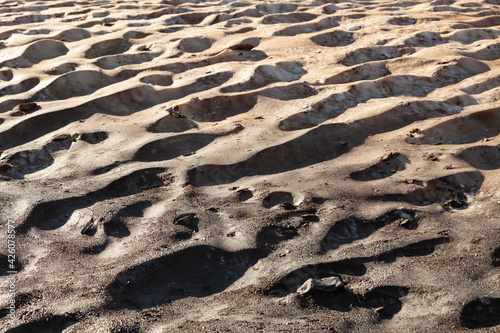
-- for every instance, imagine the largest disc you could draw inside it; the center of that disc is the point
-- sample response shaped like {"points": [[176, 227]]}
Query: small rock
{"points": [[455, 204], [433, 158], [174, 112], [242, 47], [288, 205], [189, 220], [61, 137], [409, 224], [389, 156], [89, 229], [328, 284], [27, 107], [24, 108], [6, 166], [144, 48]]}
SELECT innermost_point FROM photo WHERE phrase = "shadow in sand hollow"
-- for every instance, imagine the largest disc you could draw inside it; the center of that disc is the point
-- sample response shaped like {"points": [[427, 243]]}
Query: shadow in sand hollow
{"points": [[54, 214], [385, 300], [451, 188], [324, 142], [196, 271]]}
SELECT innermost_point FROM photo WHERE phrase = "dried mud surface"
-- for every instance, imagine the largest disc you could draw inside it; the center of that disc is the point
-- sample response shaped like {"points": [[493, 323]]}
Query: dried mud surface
{"points": [[194, 166]]}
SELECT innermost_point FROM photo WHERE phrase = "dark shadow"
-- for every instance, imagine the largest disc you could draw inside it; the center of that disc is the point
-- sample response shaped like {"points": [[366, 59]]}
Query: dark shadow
{"points": [[277, 198], [20, 87], [244, 194], [441, 190], [273, 235], [482, 312], [422, 248], [384, 300], [96, 249], [171, 147], [495, 258], [104, 169], [26, 162], [387, 297], [196, 271], [51, 324], [174, 146], [288, 18], [386, 167], [182, 235], [353, 228], [482, 157], [382, 86], [267, 74], [171, 123], [54, 214], [291, 282], [94, 137], [460, 130], [188, 220], [334, 38], [296, 29], [371, 71], [116, 227], [312, 147], [125, 103]]}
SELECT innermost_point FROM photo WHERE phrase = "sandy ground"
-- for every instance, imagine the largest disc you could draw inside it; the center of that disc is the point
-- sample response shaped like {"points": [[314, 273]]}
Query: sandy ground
{"points": [[250, 166]]}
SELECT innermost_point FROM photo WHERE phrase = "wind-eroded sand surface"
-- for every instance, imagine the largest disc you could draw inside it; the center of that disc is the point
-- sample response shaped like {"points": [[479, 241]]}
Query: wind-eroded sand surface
{"points": [[251, 166]]}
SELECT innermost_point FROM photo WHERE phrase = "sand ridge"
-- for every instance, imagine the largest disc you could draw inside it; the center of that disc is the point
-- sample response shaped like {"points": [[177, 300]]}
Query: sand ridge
{"points": [[183, 165]]}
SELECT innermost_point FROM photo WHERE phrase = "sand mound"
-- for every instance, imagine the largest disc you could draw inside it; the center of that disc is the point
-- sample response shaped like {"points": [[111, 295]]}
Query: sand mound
{"points": [[249, 166]]}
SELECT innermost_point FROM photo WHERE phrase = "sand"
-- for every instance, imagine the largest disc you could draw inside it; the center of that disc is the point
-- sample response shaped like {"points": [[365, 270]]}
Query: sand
{"points": [[250, 166]]}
